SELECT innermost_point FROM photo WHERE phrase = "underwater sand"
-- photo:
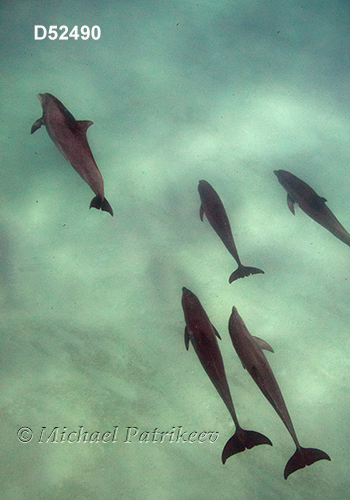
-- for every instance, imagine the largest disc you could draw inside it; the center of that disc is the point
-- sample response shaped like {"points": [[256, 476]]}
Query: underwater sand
{"points": [[91, 318]]}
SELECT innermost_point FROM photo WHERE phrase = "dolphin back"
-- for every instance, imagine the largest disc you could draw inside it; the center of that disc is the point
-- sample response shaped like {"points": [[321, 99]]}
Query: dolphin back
{"points": [[303, 457]]}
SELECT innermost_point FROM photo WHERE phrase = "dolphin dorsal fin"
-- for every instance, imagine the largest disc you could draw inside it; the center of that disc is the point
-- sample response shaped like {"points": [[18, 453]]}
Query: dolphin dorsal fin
{"points": [[290, 203], [201, 212], [83, 125], [318, 202], [262, 344], [187, 338], [215, 331]]}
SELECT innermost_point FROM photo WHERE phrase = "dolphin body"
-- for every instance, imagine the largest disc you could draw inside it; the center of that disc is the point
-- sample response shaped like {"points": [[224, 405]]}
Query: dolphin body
{"points": [[213, 208], [203, 337], [311, 203], [69, 135], [249, 350]]}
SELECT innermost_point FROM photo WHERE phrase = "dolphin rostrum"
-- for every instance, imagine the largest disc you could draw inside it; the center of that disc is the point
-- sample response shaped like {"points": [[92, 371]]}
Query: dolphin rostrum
{"points": [[69, 135], [215, 212], [249, 350], [203, 337], [311, 203]]}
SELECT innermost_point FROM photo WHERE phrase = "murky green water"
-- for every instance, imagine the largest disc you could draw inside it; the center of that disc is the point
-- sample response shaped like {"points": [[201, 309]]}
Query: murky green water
{"points": [[92, 324]]}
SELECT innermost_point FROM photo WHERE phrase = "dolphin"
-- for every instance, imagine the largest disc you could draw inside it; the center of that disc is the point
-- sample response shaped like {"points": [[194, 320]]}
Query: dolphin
{"points": [[311, 203], [203, 337], [212, 207], [69, 135], [249, 350]]}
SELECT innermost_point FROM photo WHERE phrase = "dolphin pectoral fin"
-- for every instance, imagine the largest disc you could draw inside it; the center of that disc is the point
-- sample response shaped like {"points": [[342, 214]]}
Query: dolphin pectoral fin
{"points": [[215, 331], [187, 338], [201, 212], [242, 440], [243, 271], [263, 344], [303, 457], [101, 204], [36, 125], [290, 203]]}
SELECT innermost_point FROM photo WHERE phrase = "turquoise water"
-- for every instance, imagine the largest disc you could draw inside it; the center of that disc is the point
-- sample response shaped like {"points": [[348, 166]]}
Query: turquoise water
{"points": [[92, 324]]}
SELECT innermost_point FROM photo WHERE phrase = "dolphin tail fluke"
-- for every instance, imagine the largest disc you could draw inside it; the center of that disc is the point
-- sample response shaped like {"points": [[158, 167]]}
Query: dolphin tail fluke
{"points": [[101, 204], [241, 440], [303, 457], [243, 271]]}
